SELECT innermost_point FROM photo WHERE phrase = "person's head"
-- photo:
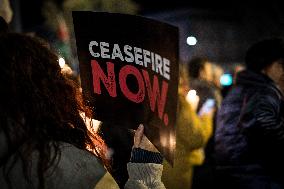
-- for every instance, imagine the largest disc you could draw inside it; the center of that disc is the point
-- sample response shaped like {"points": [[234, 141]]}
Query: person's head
{"points": [[39, 107], [200, 68], [267, 56]]}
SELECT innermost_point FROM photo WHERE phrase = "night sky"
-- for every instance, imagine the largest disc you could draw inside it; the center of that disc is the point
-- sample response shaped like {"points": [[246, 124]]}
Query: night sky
{"points": [[224, 29]]}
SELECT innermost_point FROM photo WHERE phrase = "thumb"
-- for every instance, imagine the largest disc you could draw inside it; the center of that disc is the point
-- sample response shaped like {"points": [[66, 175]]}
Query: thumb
{"points": [[138, 136]]}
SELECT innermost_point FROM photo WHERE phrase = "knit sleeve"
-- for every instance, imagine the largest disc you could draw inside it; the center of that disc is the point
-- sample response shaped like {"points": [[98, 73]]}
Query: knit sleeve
{"points": [[144, 176], [139, 155]]}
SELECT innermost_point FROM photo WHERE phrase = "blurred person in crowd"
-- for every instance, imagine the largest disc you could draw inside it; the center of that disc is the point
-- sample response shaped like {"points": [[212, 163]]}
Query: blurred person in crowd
{"points": [[55, 30], [250, 124], [44, 141], [51, 26], [192, 134], [202, 80]]}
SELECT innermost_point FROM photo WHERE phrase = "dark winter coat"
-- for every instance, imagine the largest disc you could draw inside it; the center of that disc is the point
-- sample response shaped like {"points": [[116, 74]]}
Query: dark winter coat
{"points": [[250, 134]]}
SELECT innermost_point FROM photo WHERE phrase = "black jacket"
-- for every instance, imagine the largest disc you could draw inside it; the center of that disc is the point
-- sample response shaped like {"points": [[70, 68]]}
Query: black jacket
{"points": [[250, 129]]}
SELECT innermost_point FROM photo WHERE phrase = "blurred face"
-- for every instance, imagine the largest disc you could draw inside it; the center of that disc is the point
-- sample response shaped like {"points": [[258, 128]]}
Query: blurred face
{"points": [[206, 73], [276, 73]]}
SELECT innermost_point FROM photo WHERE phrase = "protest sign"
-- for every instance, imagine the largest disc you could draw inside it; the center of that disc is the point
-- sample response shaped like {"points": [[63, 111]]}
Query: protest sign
{"points": [[129, 72]]}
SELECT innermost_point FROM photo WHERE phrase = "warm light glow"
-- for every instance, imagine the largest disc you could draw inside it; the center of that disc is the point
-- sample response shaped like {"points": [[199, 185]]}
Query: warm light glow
{"points": [[96, 124], [61, 62], [193, 99], [191, 40], [191, 94], [92, 124], [172, 141], [164, 141]]}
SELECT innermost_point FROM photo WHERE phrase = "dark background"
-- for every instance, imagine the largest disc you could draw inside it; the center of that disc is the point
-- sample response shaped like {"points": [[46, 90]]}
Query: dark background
{"points": [[224, 29]]}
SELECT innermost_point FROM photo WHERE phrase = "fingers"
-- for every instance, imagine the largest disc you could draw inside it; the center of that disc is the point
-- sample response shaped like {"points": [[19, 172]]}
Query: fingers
{"points": [[138, 136]]}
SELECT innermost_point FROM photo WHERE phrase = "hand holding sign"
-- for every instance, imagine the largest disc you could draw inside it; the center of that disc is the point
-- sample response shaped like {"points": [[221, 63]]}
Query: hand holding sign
{"points": [[141, 141]]}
